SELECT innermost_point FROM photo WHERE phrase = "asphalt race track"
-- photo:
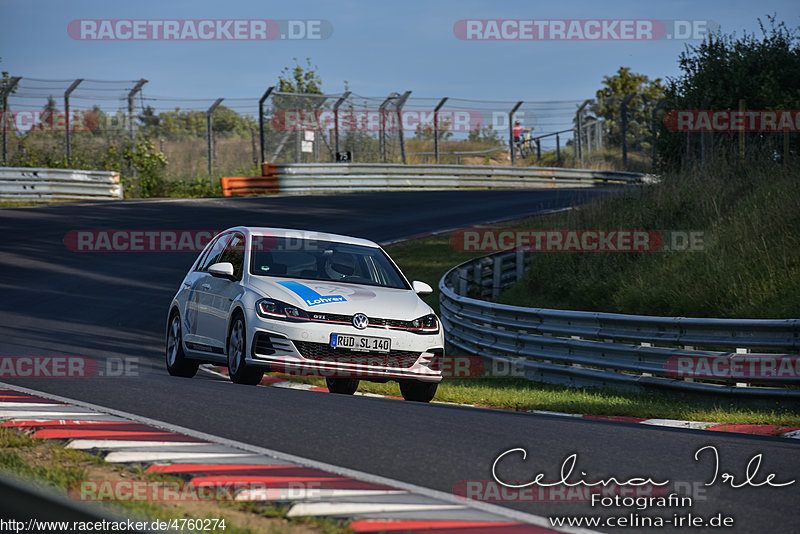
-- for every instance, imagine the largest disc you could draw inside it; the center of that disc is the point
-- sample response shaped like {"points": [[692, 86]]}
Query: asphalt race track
{"points": [[112, 305]]}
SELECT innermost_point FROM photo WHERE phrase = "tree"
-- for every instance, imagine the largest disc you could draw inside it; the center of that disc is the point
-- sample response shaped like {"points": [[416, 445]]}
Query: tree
{"points": [[300, 79], [425, 131], [608, 105], [721, 71], [487, 135], [179, 123]]}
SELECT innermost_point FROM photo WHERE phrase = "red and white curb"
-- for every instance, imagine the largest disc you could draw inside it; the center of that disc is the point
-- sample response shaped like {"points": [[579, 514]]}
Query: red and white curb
{"points": [[372, 503], [791, 432]]}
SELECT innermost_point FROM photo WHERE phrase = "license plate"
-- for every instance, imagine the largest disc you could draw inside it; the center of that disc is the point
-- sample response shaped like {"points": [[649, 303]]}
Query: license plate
{"points": [[362, 343]]}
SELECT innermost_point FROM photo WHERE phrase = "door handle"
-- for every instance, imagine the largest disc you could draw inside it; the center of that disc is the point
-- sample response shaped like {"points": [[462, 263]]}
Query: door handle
{"points": [[187, 284], [206, 286]]}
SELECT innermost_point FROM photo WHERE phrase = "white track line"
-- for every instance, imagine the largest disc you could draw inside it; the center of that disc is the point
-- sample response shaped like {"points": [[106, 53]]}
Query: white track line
{"points": [[355, 509], [341, 471]]}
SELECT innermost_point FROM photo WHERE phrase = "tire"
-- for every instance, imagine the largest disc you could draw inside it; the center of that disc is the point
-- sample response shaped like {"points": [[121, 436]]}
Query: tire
{"points": [[238, 370], [415, 391], [177, 362], [342, 386]]}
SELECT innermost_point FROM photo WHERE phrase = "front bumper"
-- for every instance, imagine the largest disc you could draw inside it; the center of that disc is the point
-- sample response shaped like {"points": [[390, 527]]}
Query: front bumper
{"points": [[304, 350]]}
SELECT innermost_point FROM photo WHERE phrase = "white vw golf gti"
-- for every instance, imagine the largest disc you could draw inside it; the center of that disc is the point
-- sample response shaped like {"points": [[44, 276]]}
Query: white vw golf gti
{"points": [[304, 303]]}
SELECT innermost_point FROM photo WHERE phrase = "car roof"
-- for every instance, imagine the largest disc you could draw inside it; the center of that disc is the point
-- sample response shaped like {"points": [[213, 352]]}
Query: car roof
{"points": [[305, 234]]}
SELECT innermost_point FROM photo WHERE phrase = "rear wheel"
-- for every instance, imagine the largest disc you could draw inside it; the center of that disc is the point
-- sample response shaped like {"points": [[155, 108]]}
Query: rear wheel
{"points": [[418, 391], [238, 370], [177, 362], [343, 386]]}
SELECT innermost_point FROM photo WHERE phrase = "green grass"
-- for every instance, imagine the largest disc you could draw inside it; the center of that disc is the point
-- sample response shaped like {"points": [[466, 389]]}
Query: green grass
{"points": [[522, 395], [59, 468], [749, 267]]}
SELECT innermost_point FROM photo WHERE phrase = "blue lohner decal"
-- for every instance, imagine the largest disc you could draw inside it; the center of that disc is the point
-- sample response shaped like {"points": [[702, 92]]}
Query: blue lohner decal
{"points": [[311, 297]]}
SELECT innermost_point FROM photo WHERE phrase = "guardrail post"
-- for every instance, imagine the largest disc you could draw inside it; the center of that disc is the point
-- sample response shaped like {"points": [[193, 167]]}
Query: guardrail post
{"points": [[477, 276], [6, 90], [400, 103], [131, 94], [436, 127], [520, 259], [261, 134], [462, 282], [336, 119], [497, 272], [210, 137], [72, 87], [624, 128], [511, 131]]}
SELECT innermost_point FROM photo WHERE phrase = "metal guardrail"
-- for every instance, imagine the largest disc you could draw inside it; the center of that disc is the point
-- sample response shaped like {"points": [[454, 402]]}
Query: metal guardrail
{"points": [[586, 349], [322, 177], [23, 183]]}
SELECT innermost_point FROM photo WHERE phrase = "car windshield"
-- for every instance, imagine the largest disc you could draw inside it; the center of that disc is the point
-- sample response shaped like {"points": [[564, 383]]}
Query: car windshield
{"points": [[329, 261]]}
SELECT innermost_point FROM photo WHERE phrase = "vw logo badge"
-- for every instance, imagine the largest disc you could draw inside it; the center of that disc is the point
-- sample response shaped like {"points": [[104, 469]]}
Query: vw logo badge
{"points": [[360, 321]]}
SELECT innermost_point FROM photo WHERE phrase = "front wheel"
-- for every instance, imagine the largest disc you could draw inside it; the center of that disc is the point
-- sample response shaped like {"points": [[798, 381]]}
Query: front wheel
{"points": [[238, 370], [177, 362], [418, 391], [343, 386]]}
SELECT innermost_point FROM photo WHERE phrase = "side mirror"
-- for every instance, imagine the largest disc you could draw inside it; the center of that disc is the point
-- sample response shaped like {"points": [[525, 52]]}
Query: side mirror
{"points": [[421, 288], [222, 270]]}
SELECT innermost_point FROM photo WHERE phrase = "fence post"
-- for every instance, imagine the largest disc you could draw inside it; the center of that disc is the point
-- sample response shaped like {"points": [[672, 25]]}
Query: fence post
{"points": [[336, 120], [742, 107], [9, 87], [599, 135], [654, 127], [511, 132], [131, 94], [382, 122], [558, 149], [624, 129], [538, 150], [262, 141], [578, 122], [209, 138], [436, 128], [400, 103], [72, 87]]}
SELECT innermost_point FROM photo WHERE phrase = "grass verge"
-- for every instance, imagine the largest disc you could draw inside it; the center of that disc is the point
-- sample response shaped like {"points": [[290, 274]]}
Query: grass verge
{"points": [[50, 464], [762, 280]]}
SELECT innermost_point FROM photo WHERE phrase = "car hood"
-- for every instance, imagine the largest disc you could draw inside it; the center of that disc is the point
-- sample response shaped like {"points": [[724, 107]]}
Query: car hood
{"points": [[346, 299]]}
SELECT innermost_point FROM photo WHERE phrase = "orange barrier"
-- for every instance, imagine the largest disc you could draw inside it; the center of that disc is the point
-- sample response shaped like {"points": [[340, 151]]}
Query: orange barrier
{"points": [[243, 186]]}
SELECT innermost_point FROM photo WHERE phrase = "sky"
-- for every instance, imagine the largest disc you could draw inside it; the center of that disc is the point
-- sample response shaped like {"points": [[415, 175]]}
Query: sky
{"points": [[374, 47]]}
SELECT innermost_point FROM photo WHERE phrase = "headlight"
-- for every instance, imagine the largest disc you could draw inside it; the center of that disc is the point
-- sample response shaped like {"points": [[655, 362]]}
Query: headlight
{"points": [[426, 325], [275, 309]]}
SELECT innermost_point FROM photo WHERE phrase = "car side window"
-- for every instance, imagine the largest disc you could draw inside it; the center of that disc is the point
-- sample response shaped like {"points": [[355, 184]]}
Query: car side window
{"points": [[214, 252], [234, 254]]}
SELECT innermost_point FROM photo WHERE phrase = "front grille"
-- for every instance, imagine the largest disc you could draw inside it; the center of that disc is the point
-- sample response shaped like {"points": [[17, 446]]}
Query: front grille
{"points": [[402, 359], [373, 321]]}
